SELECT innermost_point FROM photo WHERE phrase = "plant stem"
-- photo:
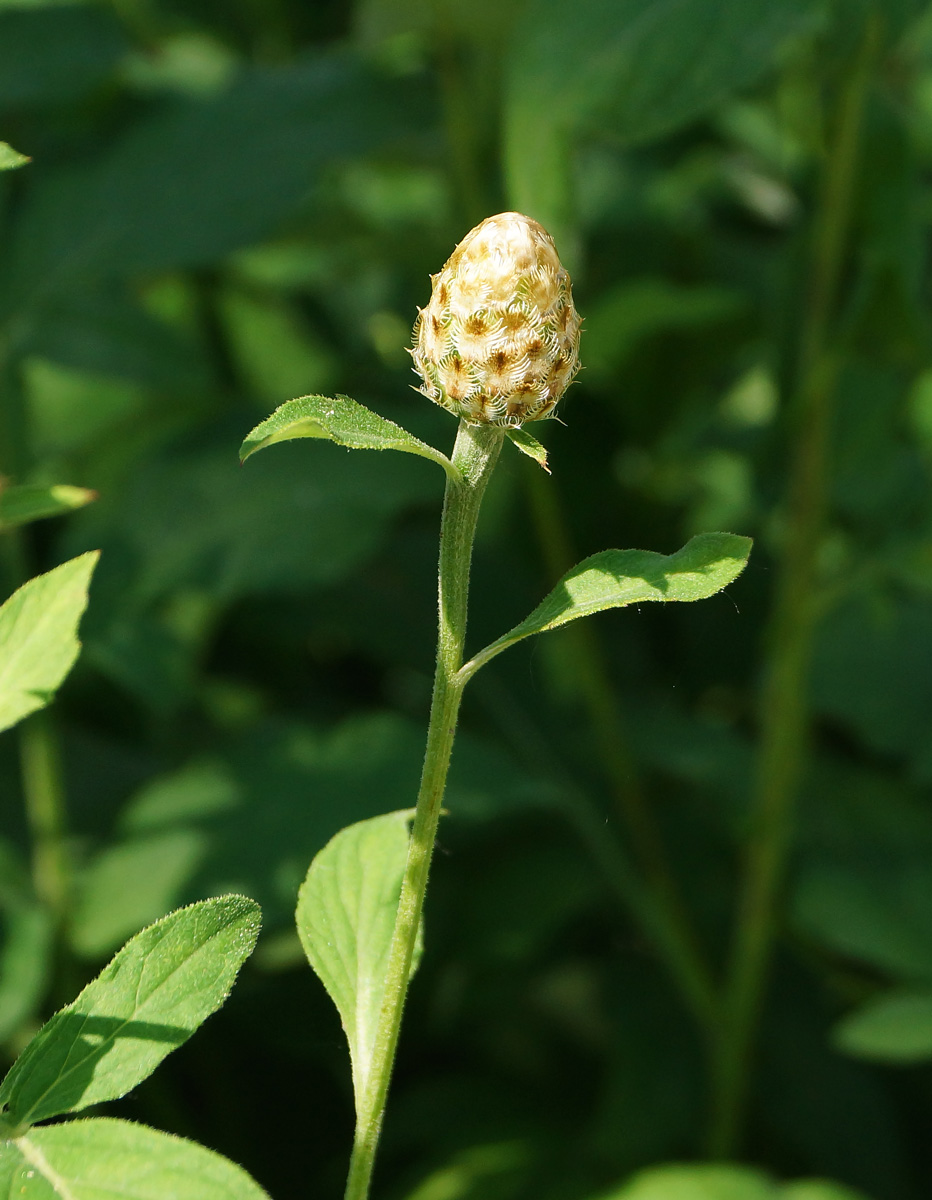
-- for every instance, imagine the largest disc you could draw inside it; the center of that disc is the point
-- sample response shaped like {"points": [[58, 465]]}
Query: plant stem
{"points": [[655, 903], [608, 853], [43, 790], [784, 710], [40, 764], [475, 454]]}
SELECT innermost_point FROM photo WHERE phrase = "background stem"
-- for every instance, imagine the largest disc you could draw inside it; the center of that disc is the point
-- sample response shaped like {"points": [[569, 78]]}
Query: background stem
{"points": [[475, 454], [653, 900], [40, 761], [784, 710]]}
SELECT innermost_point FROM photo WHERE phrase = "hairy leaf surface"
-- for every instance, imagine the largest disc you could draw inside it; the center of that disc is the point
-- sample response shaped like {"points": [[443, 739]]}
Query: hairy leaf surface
{"points": [[149, 1000], [89, 1159]]}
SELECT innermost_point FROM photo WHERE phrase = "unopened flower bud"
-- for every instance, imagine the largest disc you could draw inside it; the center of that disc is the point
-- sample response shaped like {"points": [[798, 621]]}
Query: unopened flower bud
{"points": [[499, 341]]}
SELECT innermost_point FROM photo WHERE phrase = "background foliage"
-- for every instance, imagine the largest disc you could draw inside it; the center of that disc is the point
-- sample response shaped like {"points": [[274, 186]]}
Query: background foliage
{"points": [[230, 204]]}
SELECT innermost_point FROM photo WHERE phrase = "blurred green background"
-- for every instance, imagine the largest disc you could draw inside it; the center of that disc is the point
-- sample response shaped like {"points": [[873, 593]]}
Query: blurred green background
{"points": [[234, 202]]}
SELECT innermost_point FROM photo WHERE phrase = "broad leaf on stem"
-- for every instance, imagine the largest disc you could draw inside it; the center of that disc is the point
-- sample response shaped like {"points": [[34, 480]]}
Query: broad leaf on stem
{"points": [[616, 578], [337, 419], [32, 501], [87, 1159], [346, 915], [149, 1000], [38, 637]]}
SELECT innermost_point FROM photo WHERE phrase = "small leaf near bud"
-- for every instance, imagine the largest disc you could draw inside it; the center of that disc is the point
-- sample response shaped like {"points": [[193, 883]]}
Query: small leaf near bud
{"points": [[498, 343]]}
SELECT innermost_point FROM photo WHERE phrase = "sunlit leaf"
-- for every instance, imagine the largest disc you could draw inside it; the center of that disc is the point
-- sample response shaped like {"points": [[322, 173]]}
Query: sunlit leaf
{"points": [[38, 637], [31, 502], [149, 1000], [89, 1159], [616, 578], [337, 419], [345, 917]]}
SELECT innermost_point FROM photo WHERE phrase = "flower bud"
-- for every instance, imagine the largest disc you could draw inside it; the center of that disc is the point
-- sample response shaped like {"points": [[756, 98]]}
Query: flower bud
{"points": [[499, 341]]}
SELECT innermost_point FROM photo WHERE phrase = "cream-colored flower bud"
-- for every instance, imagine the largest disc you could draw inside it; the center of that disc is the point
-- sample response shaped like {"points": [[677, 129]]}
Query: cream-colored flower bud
{"points": [[499, 341]]}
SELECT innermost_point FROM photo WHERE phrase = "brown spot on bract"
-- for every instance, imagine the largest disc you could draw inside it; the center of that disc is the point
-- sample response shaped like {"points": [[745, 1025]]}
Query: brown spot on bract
{"points": [[513, 320], [476, 325]]}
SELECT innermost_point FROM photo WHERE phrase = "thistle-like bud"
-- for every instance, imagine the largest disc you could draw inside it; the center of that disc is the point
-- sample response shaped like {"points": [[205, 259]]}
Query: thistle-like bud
{"points": [[499, 341]]}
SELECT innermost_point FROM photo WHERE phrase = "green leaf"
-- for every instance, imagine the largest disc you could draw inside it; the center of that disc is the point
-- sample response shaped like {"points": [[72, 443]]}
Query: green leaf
{"points": [[90, 1159], [149, 1000], [340, 420], [110, 214], [616, 578], [193, 519], [345, 917], [530, 446], [131, 884], [38, 637], [31, 502], [638, 68], [697, 1182], [242, 823], [895, 1028], [56, 54], [874, 912], [625, 315], [707, 1181], [10, 159], [819, 1189]]}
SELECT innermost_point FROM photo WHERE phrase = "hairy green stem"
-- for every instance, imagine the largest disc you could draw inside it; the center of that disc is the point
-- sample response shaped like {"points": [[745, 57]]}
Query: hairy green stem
{"points": [[475, 454], [784, 710]]}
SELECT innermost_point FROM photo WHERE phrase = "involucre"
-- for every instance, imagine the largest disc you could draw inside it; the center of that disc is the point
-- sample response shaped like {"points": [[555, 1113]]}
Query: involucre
{"points": [[499, 341]]}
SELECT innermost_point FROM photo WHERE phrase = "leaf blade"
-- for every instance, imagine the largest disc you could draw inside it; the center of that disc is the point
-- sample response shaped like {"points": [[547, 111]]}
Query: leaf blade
{"points": [[28, 502], [38, 636], [151, 997], [10, 159], [337, 419], [617, 578], [613, 63], [894, 1028], [345, 917], [86, 1159], [528, 445]]}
